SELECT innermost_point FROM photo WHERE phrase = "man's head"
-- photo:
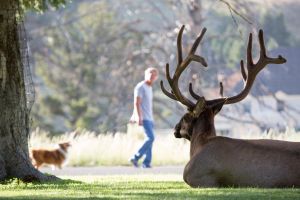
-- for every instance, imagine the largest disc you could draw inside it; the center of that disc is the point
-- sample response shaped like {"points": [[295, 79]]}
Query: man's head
{"points": [[151, 75]]}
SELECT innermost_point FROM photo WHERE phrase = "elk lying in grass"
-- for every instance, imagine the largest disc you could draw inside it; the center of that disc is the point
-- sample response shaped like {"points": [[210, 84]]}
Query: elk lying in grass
{"points": [[217, 161]]}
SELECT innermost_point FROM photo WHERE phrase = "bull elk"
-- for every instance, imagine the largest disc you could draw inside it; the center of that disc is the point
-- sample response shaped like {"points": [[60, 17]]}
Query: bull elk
{"points": [[217, 161]]}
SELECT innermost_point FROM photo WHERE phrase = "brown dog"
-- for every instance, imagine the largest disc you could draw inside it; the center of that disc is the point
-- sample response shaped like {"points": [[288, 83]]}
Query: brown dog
{"points": [[55, 157]]}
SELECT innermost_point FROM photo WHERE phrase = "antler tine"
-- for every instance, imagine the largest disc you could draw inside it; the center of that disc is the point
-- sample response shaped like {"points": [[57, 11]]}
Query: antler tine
{"points": [[168, 74], [192, 56], [254, 69], [197, 41], [243, 71], [249, 51], [193, 94], [179, 45], [263, 53], [221, 89], [278, 60], [170, 95]]}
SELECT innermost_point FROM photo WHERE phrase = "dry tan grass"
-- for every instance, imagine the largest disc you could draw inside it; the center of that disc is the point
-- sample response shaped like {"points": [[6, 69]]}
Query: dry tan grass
{"points": [[289, 135], [91, 149]]}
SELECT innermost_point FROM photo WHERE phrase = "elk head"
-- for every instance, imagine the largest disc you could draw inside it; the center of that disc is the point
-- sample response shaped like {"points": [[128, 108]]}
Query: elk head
{"points": [[201, 112]]}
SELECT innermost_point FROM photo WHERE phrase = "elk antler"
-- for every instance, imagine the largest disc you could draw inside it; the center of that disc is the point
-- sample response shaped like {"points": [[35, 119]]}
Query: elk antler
{"points": [[181, 66], [249, 77], [253, 69]]}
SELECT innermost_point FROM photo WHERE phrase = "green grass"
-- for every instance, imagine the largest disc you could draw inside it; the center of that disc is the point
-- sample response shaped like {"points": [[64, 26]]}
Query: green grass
{"points": [[134, 187]]}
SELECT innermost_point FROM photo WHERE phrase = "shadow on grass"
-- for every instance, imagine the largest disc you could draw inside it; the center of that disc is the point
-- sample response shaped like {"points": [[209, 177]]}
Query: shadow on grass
{"points": [[51, 198], [110, 189], [38, 185], [214, 194]]}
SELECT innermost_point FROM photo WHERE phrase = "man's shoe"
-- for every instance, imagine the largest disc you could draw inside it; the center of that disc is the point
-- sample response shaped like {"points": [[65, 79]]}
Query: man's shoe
{"points": [[134, 162], [146, 166]]}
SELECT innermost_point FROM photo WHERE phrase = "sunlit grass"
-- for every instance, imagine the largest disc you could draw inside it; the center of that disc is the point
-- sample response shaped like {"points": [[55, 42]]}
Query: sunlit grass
{"points": [[92, 149], [134, 187]]}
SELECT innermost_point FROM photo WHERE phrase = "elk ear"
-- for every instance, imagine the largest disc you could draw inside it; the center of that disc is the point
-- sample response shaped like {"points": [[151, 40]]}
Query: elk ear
{"points": [[218, 106], [200, 107]]}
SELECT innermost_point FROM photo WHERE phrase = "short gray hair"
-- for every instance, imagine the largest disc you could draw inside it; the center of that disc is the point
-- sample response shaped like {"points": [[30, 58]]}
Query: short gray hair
{"points": [[151, 69]]}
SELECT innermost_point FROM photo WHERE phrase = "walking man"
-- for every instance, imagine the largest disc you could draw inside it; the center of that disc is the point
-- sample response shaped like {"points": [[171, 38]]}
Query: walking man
{"points": [[143, 115]]}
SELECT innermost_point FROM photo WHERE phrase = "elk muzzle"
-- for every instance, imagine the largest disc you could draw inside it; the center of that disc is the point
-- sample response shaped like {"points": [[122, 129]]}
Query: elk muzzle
{"points": [[177, 131]]}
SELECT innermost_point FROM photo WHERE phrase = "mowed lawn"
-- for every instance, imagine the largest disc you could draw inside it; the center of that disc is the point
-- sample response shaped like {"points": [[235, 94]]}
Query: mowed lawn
{"points": [[134, 187]]}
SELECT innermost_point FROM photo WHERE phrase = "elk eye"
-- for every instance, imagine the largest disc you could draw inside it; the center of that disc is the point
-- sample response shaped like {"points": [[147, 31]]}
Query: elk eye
{"points": [[187, 118]]}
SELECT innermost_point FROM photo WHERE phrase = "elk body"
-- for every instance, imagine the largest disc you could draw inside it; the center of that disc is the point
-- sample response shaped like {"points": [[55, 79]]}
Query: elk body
{"points": [[217, 161]]}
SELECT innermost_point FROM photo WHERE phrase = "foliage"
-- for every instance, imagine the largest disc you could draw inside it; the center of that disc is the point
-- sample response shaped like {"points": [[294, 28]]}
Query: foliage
{"points": [[94, 67], [89, 56], [84, 69], [276, 29], [42, 5], [227, 48], [135, 187]]}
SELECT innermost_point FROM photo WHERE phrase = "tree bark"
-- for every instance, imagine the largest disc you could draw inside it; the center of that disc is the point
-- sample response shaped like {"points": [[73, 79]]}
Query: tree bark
{"points": [[14, 117]]}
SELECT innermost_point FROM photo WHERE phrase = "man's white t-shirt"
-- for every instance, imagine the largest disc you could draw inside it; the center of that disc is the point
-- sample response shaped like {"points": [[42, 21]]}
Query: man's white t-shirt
{"points": [[144, 91]]}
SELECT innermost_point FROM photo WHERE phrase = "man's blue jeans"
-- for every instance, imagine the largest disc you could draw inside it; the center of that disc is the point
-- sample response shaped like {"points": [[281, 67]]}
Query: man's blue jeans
{"points": [[146, 148]]}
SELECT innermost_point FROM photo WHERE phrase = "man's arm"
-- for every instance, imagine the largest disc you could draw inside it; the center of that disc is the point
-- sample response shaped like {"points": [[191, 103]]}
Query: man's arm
{"points": [[138, 109]]}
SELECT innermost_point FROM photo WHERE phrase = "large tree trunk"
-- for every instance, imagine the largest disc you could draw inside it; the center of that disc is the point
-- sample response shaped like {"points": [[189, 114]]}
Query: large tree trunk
{"points": [[14, 123]]}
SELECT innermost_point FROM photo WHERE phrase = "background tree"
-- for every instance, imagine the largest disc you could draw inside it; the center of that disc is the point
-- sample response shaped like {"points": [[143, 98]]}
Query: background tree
{"points": [[276, 29], [89, 55]]}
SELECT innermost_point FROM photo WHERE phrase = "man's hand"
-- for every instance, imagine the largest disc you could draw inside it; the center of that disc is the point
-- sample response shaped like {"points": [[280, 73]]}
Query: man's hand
{"points": [[140, 122], [136, 119]]}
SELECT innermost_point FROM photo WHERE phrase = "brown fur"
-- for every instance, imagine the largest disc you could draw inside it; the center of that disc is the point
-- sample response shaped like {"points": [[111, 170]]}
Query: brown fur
{"points": [[219, 161], [53, 157]]}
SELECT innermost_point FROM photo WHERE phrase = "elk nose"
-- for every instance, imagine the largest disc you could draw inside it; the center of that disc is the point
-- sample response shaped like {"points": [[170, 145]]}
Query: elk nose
{"points": [[177, 131], [177, 134]]}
